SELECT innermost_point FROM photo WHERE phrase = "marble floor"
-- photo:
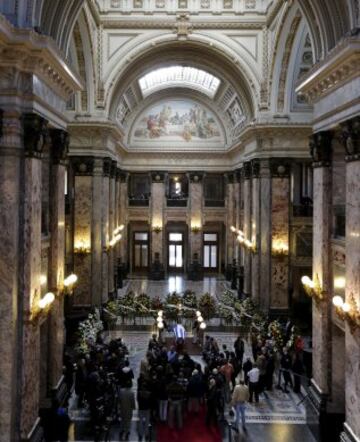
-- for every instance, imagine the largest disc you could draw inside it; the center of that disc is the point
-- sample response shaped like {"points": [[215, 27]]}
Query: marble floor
{"points": [[278, 417], [178, 283]]}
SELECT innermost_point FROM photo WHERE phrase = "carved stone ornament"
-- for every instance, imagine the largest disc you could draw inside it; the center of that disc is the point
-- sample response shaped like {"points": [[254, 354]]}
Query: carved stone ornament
{"points": [[83, 165], [59, 146], [158, 177], [351, 139], [35, 134], [107, 166], [255, 168], [183, 27], [321, 149], [247, 170], [196, 177], [279, 168]]}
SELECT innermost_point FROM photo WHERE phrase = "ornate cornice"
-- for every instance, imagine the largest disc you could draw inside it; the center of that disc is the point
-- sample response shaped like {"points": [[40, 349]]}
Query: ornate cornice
{"points": [[321, 149], [341, 65], [247, 170], [35, 133], [28, 51], [351, 139], [83, 166], [59, 146]]}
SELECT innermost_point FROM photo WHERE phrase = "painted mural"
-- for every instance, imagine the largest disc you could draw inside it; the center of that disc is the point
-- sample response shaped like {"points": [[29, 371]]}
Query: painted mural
{"points": [[177, 121]]}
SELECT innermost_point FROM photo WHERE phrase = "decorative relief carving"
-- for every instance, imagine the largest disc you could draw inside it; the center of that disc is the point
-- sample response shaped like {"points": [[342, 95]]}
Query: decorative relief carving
{"points": [[160, 3], [279, 168], [321, 149], [60, 146], [138, 4], [35, 134], [228, 4], [183, 27], [196, 177], [83, 165], [339, 257], [351, 139], [158, 177], [205, 4]]}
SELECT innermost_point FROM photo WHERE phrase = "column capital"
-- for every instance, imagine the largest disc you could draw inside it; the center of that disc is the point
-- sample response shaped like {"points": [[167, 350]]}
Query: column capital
{"points": [[230, 177], [247, 170], [255, 168], [239, 174], [118, 174], [83, 165], [35, 132], [158, 177], [107, 166], [351, 139], [196, 177], [60, 146], [321, 149], [123, 176], [113, 168], [279, 168]]}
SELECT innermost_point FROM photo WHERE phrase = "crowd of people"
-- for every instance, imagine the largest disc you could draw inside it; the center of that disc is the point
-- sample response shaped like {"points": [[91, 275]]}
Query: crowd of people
{"points": [[171, 385]]}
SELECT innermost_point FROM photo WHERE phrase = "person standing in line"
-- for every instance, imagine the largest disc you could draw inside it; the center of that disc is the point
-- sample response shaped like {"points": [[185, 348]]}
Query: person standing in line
{"points": [[239, 348], [254, 375], [285, 364], [144, 407], [227, 370], [212, 401], [247, 366], [261, 363], [239, 398], [176, 394], [126, 406]]}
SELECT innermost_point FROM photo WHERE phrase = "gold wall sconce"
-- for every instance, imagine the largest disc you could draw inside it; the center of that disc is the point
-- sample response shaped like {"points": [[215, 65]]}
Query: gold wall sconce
{"points": [[195, 229], [81, 247], [41, 308], [279, 249], [348, 311], [69, 283], [313, 288], [157, 228]]}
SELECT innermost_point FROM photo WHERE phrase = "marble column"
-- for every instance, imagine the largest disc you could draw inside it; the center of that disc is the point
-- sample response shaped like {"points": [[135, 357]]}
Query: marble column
{"points": [[247, 227], [96, 231], [255, 231], [118, 213], [265, 235], [11, 173], [124, 243], [196, 215], [112, 226], [157, 214], [59, 151], [230, 219], [87, 290], [237, 199], [105, 233], [280, 205], [351, 137], [34, 137], [320, 147]]}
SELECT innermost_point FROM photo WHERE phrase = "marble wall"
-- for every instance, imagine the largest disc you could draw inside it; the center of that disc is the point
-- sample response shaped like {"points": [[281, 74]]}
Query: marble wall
{"points": [[247, 233], [265, 235], [157, 219], [231, 221], [196, 217], [96, 232], [255, 229]]}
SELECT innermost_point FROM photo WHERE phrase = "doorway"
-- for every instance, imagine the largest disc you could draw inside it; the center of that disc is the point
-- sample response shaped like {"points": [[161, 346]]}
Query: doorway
{"points": [[210, 251], [141, 251], [175, 252]]}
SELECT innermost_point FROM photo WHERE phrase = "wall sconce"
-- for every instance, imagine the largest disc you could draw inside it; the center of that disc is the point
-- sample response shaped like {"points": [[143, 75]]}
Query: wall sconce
{"points": [[157, 228], [279, 248], [348, 311], [195, 229], [115, 239], [82, 248], [313, 288], [339, 282], [118, 229], [69, 282], [43, 280], [233, 229], [42, 307]]}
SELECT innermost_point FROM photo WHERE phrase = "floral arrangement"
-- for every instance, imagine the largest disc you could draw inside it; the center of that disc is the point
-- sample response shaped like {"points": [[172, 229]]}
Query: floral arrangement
{"points": [[190, 304], [157, 304], [88, 331], [275, 331], [142, 304], [207, 306]]}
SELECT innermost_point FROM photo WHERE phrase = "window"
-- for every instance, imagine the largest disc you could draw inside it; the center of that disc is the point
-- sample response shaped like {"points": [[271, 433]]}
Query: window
{"points": [[179, 76], [210, 251], [176, 237], [141, 236]]}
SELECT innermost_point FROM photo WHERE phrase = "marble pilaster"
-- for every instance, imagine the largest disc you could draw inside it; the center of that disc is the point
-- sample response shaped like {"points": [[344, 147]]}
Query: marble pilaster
{"points": [[60, 141], [124, 243], [83, 236], [265, 235], [112, 226], [96, 232], [196, 216], [231, 220], [255, 231], [280, 200], [237, 202], [105, 232], [11, 171], [352, 247], [320, 146], [157, 214], [247, 227], [34, 139]]}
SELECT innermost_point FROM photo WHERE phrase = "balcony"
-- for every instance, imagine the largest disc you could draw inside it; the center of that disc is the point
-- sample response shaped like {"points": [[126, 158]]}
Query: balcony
{"points": [[214, 203], [176, 202]]}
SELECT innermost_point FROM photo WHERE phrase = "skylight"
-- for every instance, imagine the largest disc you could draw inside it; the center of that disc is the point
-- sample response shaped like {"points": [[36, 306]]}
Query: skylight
{"points": [[179, 76]]}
